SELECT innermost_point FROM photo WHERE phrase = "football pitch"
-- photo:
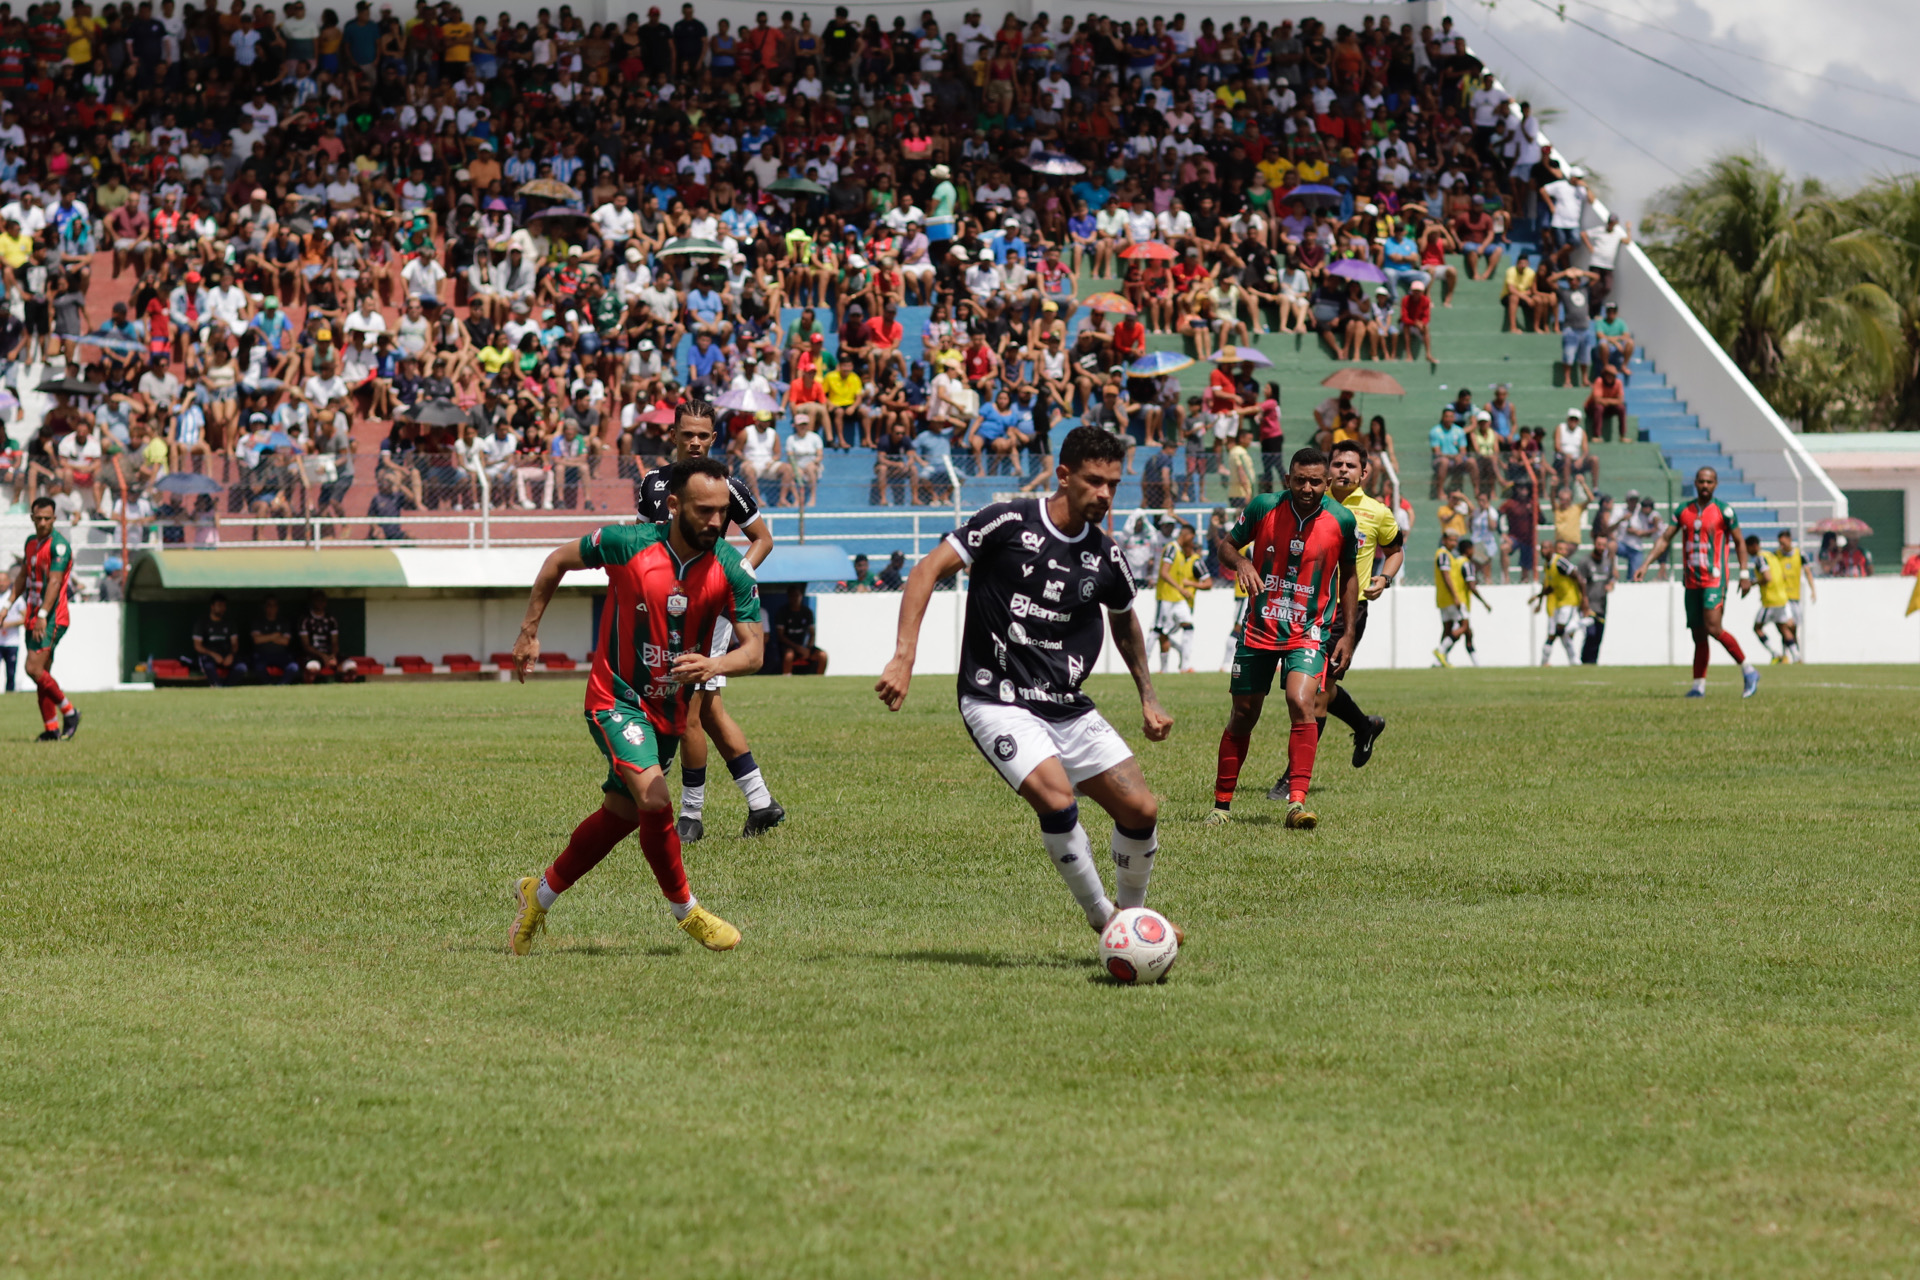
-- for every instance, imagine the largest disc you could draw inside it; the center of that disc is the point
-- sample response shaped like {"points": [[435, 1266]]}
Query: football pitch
{"points": [[1576, 978]]}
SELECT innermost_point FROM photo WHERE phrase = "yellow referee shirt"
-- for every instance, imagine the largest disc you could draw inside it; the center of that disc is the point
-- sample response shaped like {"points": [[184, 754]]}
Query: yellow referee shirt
{"points": [[1374, 528], [1177, 565]]}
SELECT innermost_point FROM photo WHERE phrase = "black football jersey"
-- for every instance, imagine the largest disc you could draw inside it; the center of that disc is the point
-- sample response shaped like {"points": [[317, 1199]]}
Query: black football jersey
{"points": [[651, 504], [1034, 603]]}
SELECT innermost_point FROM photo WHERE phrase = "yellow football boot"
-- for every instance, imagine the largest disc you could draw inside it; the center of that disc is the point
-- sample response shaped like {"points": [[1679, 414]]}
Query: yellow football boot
{"points": [[1299, 818], [529, 918], [709, 930]]}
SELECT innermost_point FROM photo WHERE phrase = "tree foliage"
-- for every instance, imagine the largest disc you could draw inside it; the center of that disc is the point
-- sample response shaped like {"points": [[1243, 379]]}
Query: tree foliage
{"points": [[1814, 294]]}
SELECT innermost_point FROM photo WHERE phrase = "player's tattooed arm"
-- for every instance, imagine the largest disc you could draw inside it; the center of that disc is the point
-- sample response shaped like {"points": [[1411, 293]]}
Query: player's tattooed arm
{"points": [[526, 648], [1127, 638]]}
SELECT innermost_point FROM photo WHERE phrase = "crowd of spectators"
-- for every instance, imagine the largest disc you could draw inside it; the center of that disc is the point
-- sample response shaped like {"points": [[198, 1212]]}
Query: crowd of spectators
{"points": [[317, 226]]}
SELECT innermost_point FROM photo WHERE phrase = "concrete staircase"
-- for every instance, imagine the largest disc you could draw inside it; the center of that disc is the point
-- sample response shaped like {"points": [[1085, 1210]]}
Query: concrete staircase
{"points": [[1662, 419]]}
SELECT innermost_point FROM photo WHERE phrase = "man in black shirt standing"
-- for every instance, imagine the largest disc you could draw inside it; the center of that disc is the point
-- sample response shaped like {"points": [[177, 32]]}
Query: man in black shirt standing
{"points": [[1043, 571], [689, 43], [799, 655], [691, 437]]}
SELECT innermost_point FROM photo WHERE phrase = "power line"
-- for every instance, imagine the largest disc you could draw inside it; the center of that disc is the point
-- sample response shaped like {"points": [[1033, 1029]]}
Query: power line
{"points": [[1561, 91], [1724, 92], [1754, 57]]}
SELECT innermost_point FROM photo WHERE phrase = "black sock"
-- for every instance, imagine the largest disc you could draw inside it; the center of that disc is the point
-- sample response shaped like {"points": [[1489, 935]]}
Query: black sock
{"points": [[1319, 726], [1347, 710], [693, 777]]}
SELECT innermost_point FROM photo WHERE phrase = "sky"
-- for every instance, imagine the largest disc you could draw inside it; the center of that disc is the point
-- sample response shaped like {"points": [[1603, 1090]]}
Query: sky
{"points": [[1671, 126]]}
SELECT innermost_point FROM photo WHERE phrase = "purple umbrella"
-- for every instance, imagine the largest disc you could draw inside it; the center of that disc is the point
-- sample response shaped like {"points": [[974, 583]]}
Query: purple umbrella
{"points": [[1313, 194], [1358, 269]]}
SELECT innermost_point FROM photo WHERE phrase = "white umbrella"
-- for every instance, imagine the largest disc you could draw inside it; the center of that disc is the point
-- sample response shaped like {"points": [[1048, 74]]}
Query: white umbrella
{"points": [[747, 400]]}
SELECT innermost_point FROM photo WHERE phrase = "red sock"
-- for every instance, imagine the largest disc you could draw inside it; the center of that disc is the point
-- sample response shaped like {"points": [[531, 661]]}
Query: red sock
{"points": [[1232, 752], [1732, 647], [50, 696], [661, 843], [1699, 657], [591, 841], [1303, 739]]}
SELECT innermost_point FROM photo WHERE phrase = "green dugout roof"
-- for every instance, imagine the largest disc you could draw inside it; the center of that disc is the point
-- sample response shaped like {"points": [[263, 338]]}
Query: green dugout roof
{"points": [[155, 572]]}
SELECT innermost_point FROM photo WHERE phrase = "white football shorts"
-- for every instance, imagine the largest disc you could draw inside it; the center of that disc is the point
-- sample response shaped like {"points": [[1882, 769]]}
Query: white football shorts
{"points": [[1017, 741]]}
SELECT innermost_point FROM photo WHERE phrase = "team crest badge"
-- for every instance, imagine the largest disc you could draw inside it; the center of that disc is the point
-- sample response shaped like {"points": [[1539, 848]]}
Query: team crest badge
{"points": [[1296, 546], [634, 733], [676, 604], [1004, 747], [1087, 589]]}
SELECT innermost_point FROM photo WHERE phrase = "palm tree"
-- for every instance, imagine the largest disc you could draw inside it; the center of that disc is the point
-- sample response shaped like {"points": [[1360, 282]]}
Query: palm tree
{"points": [[1777, 270]]}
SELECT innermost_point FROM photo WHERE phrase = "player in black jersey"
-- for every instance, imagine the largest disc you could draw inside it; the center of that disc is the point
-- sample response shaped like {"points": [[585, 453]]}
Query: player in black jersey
{"points": [[692, 436], [1043, 572]]}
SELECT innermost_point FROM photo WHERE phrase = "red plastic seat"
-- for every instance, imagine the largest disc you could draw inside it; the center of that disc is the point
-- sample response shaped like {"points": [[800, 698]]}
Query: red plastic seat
{"points": [[558, 662], [459, 662], [370, 666], [502, 660], [412, 663]]}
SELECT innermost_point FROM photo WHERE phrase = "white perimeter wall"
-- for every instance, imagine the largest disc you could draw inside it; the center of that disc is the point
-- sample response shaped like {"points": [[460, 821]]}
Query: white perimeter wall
{"points": [[1854, 620], [475, 625]]}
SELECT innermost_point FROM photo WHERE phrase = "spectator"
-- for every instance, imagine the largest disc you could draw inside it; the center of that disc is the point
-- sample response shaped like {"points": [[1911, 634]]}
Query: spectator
{"points": [[1616, 344], [216, 645], [1573, 459], [318, 635], [273, 657], [1447, 442], [863, 577], [1577, 338], [1606, 404], [795, 631], [894, 576]]}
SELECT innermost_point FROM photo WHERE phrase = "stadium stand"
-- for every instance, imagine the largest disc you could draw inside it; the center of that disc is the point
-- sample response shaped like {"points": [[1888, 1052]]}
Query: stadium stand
{"points": [[448, 298]]}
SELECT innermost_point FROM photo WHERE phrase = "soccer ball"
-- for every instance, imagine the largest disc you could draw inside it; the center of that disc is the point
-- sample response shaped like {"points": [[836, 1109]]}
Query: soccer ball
{"points": [[1138, 946]]}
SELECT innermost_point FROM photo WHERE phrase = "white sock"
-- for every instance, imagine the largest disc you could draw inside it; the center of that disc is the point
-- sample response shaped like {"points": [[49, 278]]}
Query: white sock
{"points": [[1766, 643], [1546, 653], [751, 784], [692, 800], [1166, 656], [1072, 855], [1746, 668], [1700, 685], [1573, 656], [1133, 867], [1793, 651], [1447, 643], [1472, 656], [1183, 645], [682, 909], [546, 893]]}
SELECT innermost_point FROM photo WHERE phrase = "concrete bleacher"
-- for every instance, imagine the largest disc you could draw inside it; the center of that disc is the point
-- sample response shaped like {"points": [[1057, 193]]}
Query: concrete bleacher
{"points": [[1663, 420]]}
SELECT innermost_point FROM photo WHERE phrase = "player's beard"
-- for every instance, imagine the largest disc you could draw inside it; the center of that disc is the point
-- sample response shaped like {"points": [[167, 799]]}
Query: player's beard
{"points": [[697, 537]]}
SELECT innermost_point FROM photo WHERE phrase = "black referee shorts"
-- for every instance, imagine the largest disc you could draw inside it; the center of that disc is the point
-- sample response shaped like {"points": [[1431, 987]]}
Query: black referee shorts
{"points": [[1336, 631]]}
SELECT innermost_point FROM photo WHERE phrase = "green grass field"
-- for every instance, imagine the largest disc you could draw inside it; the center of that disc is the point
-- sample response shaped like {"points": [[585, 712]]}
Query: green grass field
{"points": [[1575, 979]]}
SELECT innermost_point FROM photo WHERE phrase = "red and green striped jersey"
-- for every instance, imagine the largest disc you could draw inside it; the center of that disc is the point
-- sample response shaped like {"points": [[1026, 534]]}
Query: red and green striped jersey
{"points": [[658, 608], [1301, 562], [1708, 532], [46, 557]]}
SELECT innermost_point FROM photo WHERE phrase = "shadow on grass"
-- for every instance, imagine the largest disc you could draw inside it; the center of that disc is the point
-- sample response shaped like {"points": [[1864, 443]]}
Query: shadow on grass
{"points": [[562, 947], [989, 960]]}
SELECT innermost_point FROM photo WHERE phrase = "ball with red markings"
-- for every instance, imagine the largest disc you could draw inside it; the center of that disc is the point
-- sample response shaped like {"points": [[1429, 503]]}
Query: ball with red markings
{"points": [[1138, 946]]}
